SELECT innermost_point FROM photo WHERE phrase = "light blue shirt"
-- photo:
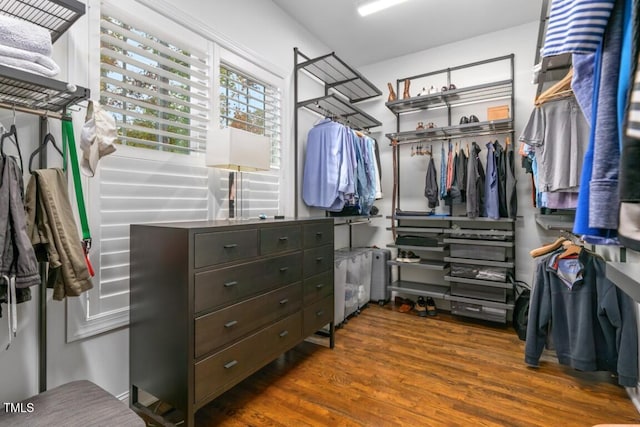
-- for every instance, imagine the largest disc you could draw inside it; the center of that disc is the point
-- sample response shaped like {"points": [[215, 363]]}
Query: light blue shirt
{"points": [[328, 175]]}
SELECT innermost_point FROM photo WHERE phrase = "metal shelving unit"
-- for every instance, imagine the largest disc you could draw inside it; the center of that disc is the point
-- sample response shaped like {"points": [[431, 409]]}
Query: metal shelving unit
{"points": [[46, 98], [343, 87], [470, 130]]}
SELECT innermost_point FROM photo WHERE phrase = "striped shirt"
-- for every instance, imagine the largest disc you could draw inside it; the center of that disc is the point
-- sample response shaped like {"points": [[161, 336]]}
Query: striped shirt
{"points": [[576, 26], [633, 120]]}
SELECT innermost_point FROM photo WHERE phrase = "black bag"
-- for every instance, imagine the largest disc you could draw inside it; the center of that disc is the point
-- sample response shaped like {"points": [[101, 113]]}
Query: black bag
{"points": [[521, 309]]}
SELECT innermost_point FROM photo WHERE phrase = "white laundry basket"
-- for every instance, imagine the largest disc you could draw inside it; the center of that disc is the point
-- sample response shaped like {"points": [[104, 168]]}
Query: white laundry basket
{"points": [[339, 283]]}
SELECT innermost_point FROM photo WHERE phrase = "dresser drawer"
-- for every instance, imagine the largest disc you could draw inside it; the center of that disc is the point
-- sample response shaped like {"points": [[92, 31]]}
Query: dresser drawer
{"points": [[224, 246], [317, 315], [282, 270], [318, 234], [217, 288], [318, 260], [223, 326], [317, 287], [280, 239], [222, 370]]}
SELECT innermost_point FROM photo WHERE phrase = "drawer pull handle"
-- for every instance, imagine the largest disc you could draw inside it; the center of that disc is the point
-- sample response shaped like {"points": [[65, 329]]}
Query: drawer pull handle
{"points": [[284, 301], [319, 285], [283, 238], [231, 246], [477, 310], [319, 313], [230, 284], [231, 364], [319, 234], [230, 324], [284, 334], [283, 269], [319, 259]]}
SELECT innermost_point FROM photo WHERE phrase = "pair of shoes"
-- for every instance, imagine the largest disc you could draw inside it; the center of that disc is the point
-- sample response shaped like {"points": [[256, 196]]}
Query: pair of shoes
{"points": [[431, 307], [430, 125], [407, 256], [471, 119], [420, 126], [451, 87], [421, 307]]}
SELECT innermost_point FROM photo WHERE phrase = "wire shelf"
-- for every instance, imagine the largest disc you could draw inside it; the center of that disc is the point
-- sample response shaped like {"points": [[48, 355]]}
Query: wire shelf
{"points": [[21, 89], [54, 15], [469, 130], [337, 75], [463, 96], [341, 111]]}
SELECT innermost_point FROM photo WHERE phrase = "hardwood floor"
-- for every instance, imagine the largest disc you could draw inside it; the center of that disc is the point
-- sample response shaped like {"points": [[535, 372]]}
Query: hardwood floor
{"points": [[396, 369]]}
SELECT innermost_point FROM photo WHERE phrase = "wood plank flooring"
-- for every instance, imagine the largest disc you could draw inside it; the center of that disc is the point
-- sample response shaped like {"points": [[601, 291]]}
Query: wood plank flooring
{"points": [[397, 369]]}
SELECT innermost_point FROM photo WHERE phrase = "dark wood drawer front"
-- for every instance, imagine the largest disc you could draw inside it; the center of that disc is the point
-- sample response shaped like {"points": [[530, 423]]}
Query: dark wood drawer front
{"points": [[217, 288], [317, 287], [317, 315], [222, 370], [318, 234], [318, 260], [280, 239], [224, 246], [282, 270], [223, 326]]}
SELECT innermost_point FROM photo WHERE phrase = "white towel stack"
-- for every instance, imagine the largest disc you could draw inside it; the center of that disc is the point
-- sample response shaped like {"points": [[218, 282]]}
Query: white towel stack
{"points": [[26, 46]]}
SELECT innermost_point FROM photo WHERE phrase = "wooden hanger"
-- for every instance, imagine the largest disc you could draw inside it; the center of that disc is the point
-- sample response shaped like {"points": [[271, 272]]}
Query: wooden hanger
{"points": [[571, 250], [548, 248], [561, 89]]}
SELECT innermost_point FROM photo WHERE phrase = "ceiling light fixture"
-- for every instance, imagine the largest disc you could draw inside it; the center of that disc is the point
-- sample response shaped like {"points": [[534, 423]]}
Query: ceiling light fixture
{"points": [[377, 6]]}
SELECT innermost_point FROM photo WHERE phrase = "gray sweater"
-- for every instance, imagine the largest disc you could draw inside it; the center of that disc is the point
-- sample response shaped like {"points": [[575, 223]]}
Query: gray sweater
{"points": [[593, 323]]}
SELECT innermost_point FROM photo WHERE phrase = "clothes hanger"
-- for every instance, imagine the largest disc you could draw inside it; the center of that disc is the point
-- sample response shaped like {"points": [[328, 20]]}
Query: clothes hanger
{"points": [[571, 250], [561, 89], [47, 138], [11, 135], [542, 250]]}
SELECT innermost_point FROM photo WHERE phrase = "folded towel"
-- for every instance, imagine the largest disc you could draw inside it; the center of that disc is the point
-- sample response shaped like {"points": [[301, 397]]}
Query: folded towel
{"points": [[28, 61], [24, 35]]}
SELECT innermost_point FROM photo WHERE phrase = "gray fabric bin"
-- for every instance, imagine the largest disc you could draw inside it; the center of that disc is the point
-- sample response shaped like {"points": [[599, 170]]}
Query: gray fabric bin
{"points": [[488, 253]]}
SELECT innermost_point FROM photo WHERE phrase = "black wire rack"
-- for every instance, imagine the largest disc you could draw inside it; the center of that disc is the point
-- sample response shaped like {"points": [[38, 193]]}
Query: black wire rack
{"points": [[54, 15]]}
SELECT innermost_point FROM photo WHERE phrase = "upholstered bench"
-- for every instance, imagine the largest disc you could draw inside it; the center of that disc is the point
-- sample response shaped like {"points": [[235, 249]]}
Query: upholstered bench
{"points": [[77, 404]]}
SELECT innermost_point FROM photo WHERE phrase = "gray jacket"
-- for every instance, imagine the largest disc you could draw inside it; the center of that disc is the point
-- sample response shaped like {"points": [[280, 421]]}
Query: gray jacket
{"points": [[18, 258], [431, 185], [593, 323]]}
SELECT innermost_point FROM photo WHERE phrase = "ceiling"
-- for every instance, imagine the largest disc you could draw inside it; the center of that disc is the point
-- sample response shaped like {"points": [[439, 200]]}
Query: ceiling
{"points": [[409, 27]]}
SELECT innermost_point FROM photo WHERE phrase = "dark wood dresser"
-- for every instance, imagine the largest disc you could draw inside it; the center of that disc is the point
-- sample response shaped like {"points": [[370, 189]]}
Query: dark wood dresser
{"points": [[213, 302]]}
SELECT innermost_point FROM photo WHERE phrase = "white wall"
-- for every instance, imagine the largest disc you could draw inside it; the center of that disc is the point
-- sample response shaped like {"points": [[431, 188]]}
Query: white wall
{"points": [[254, 25], [521, 41]]}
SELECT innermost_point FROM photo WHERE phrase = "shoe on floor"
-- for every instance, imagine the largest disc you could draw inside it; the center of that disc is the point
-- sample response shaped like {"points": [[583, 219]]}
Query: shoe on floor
{"points": [[421, 307], [407, 306], [431, 307], [412, 257], [402, 256]]}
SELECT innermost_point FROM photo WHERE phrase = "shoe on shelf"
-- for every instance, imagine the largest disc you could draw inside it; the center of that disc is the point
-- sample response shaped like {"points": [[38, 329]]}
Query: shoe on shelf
{"points": [[402, 256], [431, 307], [421, 307], [411, 257], [473, 119]]}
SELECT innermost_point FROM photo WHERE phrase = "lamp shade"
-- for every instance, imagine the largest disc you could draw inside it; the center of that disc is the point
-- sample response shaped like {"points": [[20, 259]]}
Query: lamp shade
{"points": [[238, 150]]}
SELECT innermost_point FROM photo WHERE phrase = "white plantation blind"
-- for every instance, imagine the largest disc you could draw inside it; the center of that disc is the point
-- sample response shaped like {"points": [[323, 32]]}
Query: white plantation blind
{"points": [[140, 191], [157, 90], [248, 103], [157, 87]]}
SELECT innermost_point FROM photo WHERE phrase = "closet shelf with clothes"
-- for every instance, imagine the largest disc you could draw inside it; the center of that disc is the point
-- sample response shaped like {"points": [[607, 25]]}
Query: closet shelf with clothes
{"points": [[27, 30]]}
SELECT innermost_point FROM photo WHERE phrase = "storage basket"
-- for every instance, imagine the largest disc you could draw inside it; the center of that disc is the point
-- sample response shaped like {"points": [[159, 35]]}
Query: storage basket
{"points": [[488, 253]]}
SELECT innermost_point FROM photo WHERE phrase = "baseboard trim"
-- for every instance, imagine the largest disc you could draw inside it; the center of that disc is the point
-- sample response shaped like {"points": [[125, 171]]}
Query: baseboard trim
{"points": [[634, 395]]}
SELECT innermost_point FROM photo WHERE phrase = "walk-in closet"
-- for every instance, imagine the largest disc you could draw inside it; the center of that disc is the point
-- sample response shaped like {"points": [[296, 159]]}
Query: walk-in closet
{"points": [[303, 213]]}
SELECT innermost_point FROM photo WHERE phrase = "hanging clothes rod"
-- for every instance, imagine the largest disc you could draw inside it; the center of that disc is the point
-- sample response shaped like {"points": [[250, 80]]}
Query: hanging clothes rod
{"points": [[42, 113]]}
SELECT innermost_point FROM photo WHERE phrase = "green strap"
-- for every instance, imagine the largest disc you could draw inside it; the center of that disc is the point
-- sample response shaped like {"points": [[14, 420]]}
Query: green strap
{"points": [[68, 140]]}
